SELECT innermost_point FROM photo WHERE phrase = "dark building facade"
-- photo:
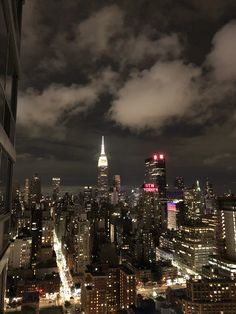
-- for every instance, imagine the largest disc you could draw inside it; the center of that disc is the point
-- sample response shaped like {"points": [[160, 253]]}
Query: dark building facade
{"points": [[10, 28], [36, 230], [35, 189]]}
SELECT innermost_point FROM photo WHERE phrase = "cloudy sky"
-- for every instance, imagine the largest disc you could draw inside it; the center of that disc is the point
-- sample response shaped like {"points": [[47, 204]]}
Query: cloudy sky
{"points": [[152, 76]]}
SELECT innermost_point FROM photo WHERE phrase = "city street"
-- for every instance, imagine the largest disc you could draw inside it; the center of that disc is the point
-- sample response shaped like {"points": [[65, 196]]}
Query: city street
{"points": [[67, 287], [152, 292]]}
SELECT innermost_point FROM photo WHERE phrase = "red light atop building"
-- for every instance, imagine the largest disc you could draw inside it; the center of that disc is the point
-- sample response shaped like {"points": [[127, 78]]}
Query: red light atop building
{"points": [[155, 157], [161, 156]]}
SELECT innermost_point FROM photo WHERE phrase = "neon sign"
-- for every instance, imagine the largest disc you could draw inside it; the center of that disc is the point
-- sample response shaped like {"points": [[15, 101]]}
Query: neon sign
{"points": [[171, 207], [150, 187]]}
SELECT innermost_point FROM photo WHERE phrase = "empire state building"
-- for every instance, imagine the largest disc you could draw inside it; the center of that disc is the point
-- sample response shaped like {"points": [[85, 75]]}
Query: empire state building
{"points": [[102, 173]]}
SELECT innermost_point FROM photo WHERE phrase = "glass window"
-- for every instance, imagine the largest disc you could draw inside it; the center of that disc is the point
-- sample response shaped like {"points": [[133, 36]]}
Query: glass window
{"points": [[4, 233], [5, 180], [14, 96], [7, 120], [9, 76], [9, 123], [4, 47], [6, 230], [2, 105]]}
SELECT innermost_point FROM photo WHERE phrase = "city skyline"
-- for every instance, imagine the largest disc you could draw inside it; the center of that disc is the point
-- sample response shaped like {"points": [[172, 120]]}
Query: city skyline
{"points": [[117, 169], [102, 170], [77, 59]]}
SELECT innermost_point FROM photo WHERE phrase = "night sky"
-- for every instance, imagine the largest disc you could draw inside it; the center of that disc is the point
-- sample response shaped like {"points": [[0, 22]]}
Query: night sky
{"points": [[149, 75]]}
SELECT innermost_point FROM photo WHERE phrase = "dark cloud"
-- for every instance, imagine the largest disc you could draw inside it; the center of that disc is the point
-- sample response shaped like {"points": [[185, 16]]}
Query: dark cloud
{"points": [[46, 109], [149, 75]]}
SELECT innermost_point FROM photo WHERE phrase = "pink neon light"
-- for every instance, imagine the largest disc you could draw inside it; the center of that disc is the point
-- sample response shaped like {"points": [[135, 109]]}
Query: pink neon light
{"points": [[171, 207], [150, 189], [161, 156], [155, 157], [149, 185]]}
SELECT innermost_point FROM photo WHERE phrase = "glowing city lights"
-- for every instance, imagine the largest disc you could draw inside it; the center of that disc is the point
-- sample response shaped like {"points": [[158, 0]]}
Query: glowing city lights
{"points": [[66, 279]]}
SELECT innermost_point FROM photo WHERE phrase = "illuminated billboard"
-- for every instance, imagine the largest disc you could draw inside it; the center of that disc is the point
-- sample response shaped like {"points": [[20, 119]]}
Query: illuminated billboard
{"points": [[150, 187], [171, 216], [171, 207]]}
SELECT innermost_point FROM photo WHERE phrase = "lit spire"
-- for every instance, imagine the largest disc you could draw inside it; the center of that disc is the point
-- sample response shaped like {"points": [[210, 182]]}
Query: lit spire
{"points": [[198, 186], [103, 147], [102, 160]]}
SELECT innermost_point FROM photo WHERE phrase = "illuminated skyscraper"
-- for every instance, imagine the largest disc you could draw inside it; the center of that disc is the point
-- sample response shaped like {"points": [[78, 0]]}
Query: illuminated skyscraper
{"points": [[210, 199], [193, 246], [155, 178], [117, 182], [224, 263], [81, 241], [111, 290], [116, 189], [10, 28], [227, 206], [35, 189], [102, 173], [155, 173], [55, 187], [210, 296], [27, 192], [20, 253], [179, 183], [149, 211], [36, 230], [194, 203]]}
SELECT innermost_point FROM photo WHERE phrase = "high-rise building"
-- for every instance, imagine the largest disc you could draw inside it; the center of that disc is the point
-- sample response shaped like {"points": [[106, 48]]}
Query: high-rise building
{"points": [[94, 293], [116, 189], [114, 196], [179, 183], [155, 173], [210, 296], [109, 290], [193, 246], [27, 192], [149, 209], [35, 189], [210, 199], [81, 242], [47, 231], [227, 207], [36, 231], [127, 287], [171, 216], [224, 263], [145, 249], [55, 188], [20, 255], [88, 194], [102, 173], [194, 203], [10, 28], [209, 189], [117, 182]]}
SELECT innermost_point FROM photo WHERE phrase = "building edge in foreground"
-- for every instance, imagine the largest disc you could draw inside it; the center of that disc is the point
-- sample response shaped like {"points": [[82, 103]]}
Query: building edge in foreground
{"points": [[10, 29]]}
